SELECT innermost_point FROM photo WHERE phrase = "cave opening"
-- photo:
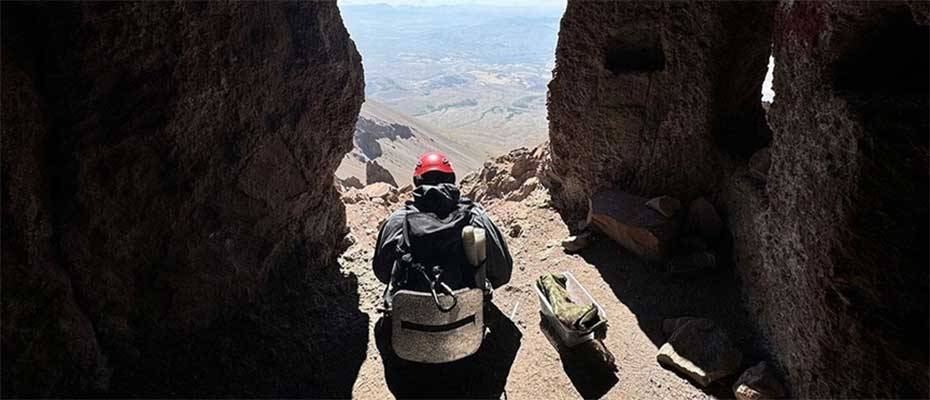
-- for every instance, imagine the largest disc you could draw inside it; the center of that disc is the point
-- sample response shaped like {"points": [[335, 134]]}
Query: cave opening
{"points": [[467, 80], [768, 90]]}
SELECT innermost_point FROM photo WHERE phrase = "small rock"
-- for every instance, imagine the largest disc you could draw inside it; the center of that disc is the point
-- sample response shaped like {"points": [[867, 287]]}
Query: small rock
{"points": [[369, 231], [759, 164], [348, 240], [405, 189], [379, 201], [699, 349], [522, 165], [576, 243], [703, 220], [758, 383], [515, 230], [543, 257], [665, 205], [525, 190]]}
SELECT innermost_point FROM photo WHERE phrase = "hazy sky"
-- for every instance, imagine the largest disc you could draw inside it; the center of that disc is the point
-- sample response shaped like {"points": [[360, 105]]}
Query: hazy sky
{"points": [[503, 3]]}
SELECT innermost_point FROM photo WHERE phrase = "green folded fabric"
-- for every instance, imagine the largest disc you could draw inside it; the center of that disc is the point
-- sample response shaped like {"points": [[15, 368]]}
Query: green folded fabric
{"points": [[575, 316]]}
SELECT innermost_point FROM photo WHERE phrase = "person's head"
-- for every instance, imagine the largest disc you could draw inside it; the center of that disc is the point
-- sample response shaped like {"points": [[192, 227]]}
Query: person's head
{"points": [[433, 168]]}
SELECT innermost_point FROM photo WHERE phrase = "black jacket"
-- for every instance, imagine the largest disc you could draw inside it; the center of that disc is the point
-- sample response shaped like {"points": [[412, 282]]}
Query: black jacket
{"points": [[441, 199]]}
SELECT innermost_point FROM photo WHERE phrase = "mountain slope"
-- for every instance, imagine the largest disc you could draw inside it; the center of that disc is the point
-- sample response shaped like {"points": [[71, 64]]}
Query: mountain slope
{"points": [[395, 141]]}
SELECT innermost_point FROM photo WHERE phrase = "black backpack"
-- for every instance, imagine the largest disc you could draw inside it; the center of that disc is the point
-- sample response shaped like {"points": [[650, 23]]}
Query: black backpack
{"points": [[431, 256]]}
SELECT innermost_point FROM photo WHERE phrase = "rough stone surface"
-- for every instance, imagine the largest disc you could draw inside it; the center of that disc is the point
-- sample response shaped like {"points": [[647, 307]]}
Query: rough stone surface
{"points": [[162, 169], [513, 176], [526, 189], [758, 383], [699, 349], [759, 164], [832, 251], [375, 173], [655, 97]]}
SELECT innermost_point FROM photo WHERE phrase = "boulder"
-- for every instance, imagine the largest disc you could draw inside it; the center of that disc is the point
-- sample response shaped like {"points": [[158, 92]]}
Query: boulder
{"points": [[704, 221], [382, 191], [576, 243], [375, 173], [699, 349], [525, 190], [758, 383], [353, 196], [626, 219], [666, 205], [522, 165]]}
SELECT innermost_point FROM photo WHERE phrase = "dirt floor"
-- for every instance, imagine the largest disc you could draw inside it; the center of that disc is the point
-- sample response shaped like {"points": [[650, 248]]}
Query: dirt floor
{"points": [[517, 359]]}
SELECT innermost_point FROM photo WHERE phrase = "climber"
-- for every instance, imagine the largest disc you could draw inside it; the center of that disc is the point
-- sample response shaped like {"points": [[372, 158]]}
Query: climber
{"points": [[432, 224]]}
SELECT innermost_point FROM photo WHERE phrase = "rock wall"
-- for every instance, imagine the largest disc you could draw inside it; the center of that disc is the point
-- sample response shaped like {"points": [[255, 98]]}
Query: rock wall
{"points": [[162, 168], [828, 222], [655, 96], [832, 247]]}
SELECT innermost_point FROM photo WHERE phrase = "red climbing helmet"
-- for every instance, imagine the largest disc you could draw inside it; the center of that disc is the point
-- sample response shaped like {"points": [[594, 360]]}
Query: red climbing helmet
{"points": [[432, 161]]}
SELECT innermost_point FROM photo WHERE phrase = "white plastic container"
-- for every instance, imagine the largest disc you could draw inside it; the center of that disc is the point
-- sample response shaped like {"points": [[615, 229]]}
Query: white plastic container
{"points": [[579, 295]]}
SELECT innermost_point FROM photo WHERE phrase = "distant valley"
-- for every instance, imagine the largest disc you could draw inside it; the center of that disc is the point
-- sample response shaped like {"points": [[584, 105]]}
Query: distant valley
{"points": [[472, 78]]}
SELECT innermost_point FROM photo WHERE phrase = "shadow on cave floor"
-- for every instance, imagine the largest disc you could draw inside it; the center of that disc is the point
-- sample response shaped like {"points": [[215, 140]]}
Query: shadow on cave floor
{"points": [[307, 341], [584, 366], [653, 297], [482, 375]]}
